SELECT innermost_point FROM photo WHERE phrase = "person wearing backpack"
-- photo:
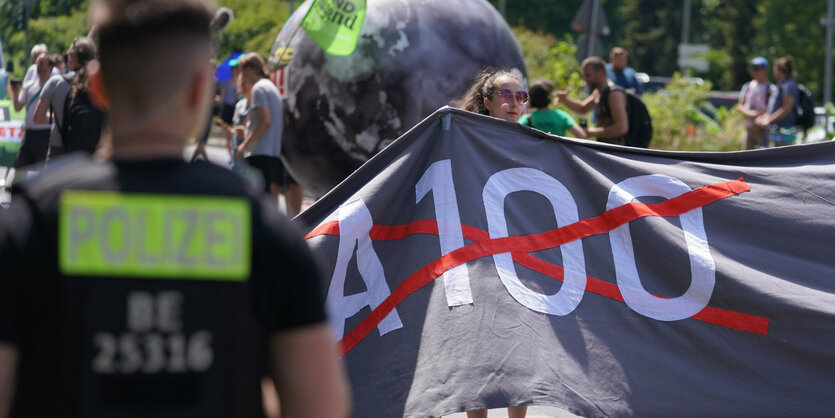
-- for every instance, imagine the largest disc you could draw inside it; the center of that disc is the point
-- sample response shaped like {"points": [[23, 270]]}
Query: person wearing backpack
{"points": [[753, 102], [57, 90], [83, 121], [781, 119], [622, 118], [552, 121]]}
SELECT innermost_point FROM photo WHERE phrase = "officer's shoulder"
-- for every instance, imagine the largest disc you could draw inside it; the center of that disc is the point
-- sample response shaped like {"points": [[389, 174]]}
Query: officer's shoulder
{"points": [[65, 172], [218, 178]]}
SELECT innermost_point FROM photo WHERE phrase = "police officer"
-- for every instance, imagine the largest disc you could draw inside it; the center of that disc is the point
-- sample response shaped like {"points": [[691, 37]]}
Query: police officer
{"points": [[146, 286]]}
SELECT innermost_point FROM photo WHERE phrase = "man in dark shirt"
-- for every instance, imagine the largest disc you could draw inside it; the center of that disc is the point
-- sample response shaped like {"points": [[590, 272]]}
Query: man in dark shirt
{"points": [[145, 286], [606, 99]]}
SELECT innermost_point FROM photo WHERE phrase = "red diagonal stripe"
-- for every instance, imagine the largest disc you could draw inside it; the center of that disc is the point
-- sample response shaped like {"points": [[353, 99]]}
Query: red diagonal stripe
{"points": [[717, 316], [605, 222], [330, 228]]}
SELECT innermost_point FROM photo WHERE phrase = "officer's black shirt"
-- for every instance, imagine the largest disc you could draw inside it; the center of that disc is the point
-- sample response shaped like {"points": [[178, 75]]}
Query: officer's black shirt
{"points": [[127, 345]]}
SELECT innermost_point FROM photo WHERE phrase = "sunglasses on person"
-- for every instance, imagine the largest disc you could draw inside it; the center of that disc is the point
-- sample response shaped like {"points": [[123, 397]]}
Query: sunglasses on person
{"points": [[507, 94]]}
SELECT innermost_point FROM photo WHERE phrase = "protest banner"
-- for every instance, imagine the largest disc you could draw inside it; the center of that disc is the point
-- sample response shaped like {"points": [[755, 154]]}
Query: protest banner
{"points": [[478, 263], [11, 132]]}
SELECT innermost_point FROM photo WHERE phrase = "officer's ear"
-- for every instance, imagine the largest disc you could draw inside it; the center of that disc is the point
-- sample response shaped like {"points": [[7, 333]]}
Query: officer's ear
{"points": [[199, 89], [95, 87]]}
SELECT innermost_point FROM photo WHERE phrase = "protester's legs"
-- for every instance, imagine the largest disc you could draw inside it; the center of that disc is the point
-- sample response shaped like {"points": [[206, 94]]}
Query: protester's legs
{"points": [[227, 113], [32, 152], [264, 165], [517, 411], [293, 197], [756, 138], [200, 149], [512, 412], [293, 194]]}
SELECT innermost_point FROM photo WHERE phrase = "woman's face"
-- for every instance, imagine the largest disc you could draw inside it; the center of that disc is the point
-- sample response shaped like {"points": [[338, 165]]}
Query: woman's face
{"points": [[244, 85], [508, 101], [777, 73]]}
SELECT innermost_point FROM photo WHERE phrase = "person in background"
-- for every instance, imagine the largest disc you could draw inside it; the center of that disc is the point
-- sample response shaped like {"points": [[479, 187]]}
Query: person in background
{"points": [[753, 102], [145, 285], [238, 126], [782, 116], [264, 127], [497, 93], [229, 94], [35, 143], [56, 91], [553, 121], [606, 98], [32, 71], [622, 74]]}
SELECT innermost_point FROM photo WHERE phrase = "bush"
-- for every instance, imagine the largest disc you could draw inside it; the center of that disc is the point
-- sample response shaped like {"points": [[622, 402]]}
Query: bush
{"points": [[679, 124], [545, 56]]}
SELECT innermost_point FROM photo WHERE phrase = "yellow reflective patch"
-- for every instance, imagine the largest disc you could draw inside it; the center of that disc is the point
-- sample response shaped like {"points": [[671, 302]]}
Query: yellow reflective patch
{"points": [[154, 236]]}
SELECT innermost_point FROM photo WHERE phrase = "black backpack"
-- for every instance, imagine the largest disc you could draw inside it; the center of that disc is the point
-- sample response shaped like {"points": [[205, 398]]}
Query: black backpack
{"points": [[640, 123], [82, 123], [805, 108]]}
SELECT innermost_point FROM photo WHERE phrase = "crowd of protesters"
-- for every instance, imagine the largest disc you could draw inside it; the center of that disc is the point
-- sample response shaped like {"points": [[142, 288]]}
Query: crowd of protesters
{"points": [[54, 124], [770, 109]]}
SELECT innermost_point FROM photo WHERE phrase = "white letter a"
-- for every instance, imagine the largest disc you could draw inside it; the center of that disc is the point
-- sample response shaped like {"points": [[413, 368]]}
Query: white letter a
{"points": [[354, 226]]}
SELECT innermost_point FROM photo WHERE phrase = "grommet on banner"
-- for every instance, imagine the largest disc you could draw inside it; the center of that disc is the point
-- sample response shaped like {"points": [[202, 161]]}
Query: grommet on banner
{"points": [[445, 121]]}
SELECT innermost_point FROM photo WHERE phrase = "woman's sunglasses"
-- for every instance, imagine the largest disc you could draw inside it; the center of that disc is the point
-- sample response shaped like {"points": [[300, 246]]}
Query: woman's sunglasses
{"points": [[507, 94]]}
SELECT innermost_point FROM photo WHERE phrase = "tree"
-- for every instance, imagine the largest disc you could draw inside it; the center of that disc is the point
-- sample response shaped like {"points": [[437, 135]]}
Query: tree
{"points": [[256, 24], [793, 28], [545, 56], [729, 30], [651, 34]]}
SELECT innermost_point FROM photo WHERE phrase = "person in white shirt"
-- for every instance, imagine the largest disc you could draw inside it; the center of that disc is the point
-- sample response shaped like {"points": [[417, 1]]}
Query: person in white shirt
{"points": [[32, 71], [35, 141], [753, 102]]}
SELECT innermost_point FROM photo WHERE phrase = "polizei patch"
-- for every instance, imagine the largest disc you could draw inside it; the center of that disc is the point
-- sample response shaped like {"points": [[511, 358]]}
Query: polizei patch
{"points": [[154, 236]]}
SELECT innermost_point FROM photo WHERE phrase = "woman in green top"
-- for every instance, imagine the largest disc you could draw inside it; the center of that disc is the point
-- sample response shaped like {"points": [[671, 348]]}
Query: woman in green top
{"points": [[553, 121]]}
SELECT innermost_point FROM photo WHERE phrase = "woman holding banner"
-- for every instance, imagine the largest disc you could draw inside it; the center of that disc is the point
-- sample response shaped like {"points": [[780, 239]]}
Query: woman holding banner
{"points": [[496, 93]]}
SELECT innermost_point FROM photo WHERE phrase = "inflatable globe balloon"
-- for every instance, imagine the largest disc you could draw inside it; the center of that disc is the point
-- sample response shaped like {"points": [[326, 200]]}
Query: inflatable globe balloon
{"points": [[413, 57]]}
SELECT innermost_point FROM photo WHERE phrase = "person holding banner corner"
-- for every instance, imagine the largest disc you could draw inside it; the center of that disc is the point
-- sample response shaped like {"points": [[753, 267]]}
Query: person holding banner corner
{"points": [[497, 93]]}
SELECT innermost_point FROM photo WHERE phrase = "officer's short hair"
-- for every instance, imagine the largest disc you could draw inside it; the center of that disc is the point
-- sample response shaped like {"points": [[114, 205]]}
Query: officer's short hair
{"points": [[149, 49]]}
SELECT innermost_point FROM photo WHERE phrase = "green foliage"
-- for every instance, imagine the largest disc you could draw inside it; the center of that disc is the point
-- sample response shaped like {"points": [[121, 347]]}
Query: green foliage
{"points": [[54, 23], [57, 22], [679, 124], [256, 24], [651, 34], [545, 56], [555, 16], [794, 28]]}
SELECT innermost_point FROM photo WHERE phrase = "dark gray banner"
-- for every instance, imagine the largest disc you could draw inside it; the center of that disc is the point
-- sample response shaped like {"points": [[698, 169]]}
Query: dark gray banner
{"points": [[478, 263]]}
